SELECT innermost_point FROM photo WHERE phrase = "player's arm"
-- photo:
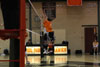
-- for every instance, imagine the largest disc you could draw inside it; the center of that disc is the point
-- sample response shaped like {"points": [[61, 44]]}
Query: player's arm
{"points": [[44, 15]]}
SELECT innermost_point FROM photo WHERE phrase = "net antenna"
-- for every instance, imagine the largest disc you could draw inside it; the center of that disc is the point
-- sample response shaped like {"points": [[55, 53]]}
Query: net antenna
{"points": [[41, 25]]}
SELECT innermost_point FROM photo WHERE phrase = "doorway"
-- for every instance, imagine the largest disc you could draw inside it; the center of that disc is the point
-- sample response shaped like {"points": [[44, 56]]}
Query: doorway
{"points": [[89, 38]]}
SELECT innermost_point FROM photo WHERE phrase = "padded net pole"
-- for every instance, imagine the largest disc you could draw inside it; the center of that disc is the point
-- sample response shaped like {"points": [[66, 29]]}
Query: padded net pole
{"points": [[22, 33]]}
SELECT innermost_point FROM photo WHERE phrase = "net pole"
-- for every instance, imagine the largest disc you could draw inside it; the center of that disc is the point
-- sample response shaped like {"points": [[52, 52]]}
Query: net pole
{"points": [[22, 33], [30, 21]]}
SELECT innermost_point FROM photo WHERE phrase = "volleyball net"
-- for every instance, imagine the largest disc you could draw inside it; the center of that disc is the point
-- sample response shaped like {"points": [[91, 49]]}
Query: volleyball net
{"points": [[33, 22]]}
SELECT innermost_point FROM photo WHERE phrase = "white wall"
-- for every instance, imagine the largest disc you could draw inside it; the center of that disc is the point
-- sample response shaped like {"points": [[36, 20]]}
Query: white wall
{"points": [[72, 19], [3, 43]]}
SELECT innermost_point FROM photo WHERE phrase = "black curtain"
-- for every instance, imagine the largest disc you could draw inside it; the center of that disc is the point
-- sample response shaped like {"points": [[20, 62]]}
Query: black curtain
{"points": [[10, 10]]}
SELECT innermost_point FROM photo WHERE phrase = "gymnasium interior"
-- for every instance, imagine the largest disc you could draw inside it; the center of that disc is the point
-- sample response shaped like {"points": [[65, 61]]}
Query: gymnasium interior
{"points": [[73, 42]]}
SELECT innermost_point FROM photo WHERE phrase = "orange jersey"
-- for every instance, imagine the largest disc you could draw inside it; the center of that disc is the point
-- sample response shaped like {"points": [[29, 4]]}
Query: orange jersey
{"points": [[47, 25], [50, 45]]}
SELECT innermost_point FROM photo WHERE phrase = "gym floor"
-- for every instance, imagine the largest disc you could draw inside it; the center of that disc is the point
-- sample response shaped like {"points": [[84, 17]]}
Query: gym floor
{"points": [[59, 61]]}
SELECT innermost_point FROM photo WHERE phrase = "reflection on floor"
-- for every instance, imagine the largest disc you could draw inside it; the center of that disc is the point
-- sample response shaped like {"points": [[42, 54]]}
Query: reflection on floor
{"points": [[4, 64], [47, 59], [59, 61], [64, 61]]}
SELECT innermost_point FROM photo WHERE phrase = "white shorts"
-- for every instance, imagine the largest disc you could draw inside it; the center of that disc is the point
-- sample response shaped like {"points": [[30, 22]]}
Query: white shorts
{"points": [[95, 46]]}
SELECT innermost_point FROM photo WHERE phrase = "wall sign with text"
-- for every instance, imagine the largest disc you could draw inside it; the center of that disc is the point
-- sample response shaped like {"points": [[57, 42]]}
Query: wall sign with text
{"points": [[60, 50], [33, 50], [36, 50]]}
